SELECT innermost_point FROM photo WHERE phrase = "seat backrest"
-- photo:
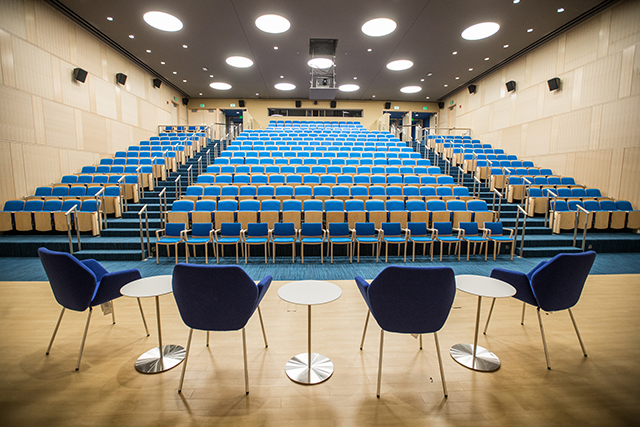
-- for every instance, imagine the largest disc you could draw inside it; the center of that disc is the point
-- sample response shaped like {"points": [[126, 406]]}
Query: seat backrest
{"points": [[270, 205], [444, 228], [249, 205], [338, 229], [494, 227], [417, 228], [311, 229], [477, 205], [260, 229], [201, 229], [412, 299], [391, 229], [333, 206], [365, 229], [284, 229], [470, 228], [230, 229], [558, 284]]}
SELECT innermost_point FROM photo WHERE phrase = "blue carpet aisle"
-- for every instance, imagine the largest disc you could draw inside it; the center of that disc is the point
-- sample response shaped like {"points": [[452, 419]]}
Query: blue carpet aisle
{"points": [[30, 269]]}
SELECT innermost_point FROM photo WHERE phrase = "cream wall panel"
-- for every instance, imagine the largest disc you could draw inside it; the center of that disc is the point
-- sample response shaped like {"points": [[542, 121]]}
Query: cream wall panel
{"points": [[556, 162], [136, 81], [573, 131], [154, 95], [115, 63], [559, 101], [7, 73], [600, 81], [621, 123], [53, 31], [511, 140], [19, 168], [542, 63], [75, 160], [7, 186], [88, 52], [538, 138], [163, 116], [482, 120], [30, 21], [465, 121], [501, 113], [526, 105], [12, 17], [74, 93], [42, 166], [516, 71], [59, 122], [629, 183], [141, 135], [38, 120], [582, 45], [147, 116], [635, 78], [129, 108], [493, 88], [121, 136], [615, 174], [591, 168], [94, 133], [33, 69], [16, 116], [625, 30], [79, 132], [106, 99], [474, 101], [626, 73]]}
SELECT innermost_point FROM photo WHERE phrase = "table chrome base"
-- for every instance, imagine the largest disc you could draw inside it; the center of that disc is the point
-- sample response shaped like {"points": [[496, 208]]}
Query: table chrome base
{"points": [[149, 362], [485, 360], [298, 368]]}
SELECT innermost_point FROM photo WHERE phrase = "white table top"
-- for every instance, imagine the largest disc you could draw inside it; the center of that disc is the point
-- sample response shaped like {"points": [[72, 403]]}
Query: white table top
{"points": [[484, 286], [148, 287], [309, 292]]}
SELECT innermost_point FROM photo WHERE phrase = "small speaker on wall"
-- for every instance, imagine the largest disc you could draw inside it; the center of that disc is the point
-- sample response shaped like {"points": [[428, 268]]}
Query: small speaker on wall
{"points": [[554, 83], [472, 88], [185, 101], [511, 86], [333, 104], [387, 105], [157, 83], [121, 78], [441, 105], [241, 103], [79, 74], [298, 104]]}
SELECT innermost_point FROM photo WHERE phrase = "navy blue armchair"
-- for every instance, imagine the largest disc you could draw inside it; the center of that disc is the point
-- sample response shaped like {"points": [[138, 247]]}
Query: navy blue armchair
{"points": [[217, 298], [78, 285], [409, 300], [552, 285]]}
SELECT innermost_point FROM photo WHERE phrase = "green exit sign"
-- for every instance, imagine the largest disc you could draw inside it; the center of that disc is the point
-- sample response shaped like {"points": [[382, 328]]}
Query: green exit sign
{"points": [[202, 105], [396, 107], [175, 98], [451, 103], [232, 105], [425, 108]]}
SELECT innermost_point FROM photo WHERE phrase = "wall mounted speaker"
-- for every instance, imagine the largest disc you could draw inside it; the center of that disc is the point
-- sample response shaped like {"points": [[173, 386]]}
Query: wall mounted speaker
{"points": [[387, 105], [157, 83], [121, 78], [511, 86], [79, 74], [185, 101], [241, 103], [333, 104], [298, 104], [472, 88], [441, 105], [554, 83]]}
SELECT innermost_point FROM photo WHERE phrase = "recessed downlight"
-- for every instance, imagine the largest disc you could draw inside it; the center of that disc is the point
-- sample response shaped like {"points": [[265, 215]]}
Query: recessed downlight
{"points": [[399, 65], [411, 89], [220, 86], [379, 27], [320, 63], [285, 86], [480, 31], [274, 24], [239, 62], [560, 9], [162, 21], [349, 88], [109, 18]]}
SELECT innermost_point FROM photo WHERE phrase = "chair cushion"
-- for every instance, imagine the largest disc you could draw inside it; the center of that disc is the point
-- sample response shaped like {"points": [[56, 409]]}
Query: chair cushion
{"points": [[169, 240], [283, 240], [311, 240], [228, 240], [198, 240], [256, 240]]}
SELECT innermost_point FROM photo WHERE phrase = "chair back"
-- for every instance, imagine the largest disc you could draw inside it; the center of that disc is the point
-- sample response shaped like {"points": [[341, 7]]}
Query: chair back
{"points": [[494, 227], [311, 229], [202, 229], [338, 229], [444, 228], [470, 228], [417, 228], [173, 229], [365, 229], [259, 229], [284, 229], [72, 283], [391, 229], [412, 299]]}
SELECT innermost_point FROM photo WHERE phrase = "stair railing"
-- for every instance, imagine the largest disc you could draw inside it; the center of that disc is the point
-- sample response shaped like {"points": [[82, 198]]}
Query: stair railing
{"points": [[123, 193], [67, 215], [493, 205], [208, 154], [200, 165], [190, 175], [476, 180], [550, 194], [575, 227], [163, 207], [99, 196], [178, 186], [146, 219], [524, 228]]}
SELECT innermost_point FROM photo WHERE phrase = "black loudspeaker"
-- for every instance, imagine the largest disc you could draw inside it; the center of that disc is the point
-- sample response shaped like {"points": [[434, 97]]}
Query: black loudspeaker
{"points": [[441, 105], [472, 88], [298, 104], [315, 102], [79, 74], [121, 78], [511, 86], [185, 101], [387, 105], [157, 83], [241, 103], [554, 83], [333, 104]]}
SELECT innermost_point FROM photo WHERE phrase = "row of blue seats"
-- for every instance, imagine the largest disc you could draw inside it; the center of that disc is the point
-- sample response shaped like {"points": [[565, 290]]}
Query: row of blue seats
{"points": [[316, 179], [603, 214], [317, 123], [46, 215], [408, 168], [317, 137], [255, 144], [316, 161], [113, 169], [182, 128], [72, 180]]}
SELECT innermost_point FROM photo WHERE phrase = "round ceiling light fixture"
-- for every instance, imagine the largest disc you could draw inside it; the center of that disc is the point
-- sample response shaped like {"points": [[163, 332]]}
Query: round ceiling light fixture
{"points": [[379, 27], [274, 24], [480, 31], [220, 86], [285, 86], [411, 89], [239, 62], [320, 63], [162, 21], [399, 65], [349, 88]]}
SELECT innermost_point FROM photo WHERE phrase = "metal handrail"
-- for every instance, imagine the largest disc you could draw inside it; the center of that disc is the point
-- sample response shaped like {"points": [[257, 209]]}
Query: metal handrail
{"points": [[460, 175], [75, 220], [525, 183], [524, 228], [476, 179], [199, 165], [146, 218], [103, 207], [546, 212], [207, 153], [447, 166], [575, 227], [162, 211], [190, 175], [178, 186], [493, 206], [123, 193]]}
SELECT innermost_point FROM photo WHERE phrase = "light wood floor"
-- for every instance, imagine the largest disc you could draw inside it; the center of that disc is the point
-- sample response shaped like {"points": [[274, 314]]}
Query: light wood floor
{"points": [[603, 389]]}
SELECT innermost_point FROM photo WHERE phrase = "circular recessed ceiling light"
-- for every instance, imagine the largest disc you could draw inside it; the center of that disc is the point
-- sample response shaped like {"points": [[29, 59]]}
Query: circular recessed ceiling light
{"points": [[239, 62], [505, 46], [320, 63], [349, 88], [109, 18], [486, 59], [455, 53], [184, 81], [200, 94], [399, 65], [285, 86], [457, 78], [368, 50], [163, 21], [530, 30], [410, 89], [148, 50], [131, 36], [560, 9], [275, 48], [379, 27], [480, 31], [185, 46], [162, 62], [220, 86], [273, 24]]}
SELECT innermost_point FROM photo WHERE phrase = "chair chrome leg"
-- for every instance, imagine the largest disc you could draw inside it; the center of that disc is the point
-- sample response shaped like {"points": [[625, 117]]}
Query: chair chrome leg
{"points": [[207, 338], [575, 326], [366, 323], [84, 338], [186, 357], [524, 306], [244, 351], [55, 331], [444, 383], [420, 341], [113, 312], [489, 317], [264, 334], [544, 341], [380, 362]]}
